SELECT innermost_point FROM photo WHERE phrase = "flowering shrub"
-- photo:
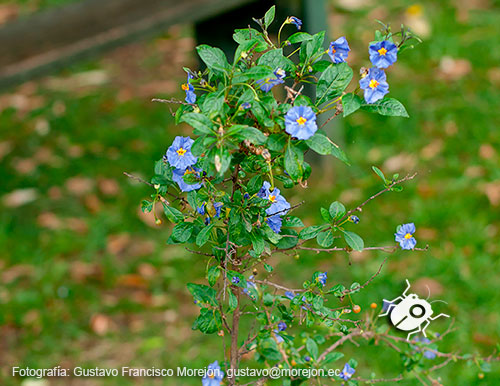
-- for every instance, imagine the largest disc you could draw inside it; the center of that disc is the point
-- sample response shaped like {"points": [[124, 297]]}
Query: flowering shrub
{"points": [[225, 191]]}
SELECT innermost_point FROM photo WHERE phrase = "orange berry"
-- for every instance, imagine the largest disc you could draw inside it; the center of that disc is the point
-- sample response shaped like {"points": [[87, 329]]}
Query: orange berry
{"points": [[356, 309], [480, 375], [293, 363], [373, 305]]}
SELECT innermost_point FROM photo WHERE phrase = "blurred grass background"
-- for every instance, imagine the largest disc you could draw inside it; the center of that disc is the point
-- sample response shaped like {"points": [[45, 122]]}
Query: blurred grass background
{"points": [[86, 279]]}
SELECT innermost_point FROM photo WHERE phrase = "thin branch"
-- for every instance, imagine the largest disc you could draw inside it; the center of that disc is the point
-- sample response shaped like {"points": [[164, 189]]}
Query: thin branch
{"points": [[138, 179], [388, 188]]}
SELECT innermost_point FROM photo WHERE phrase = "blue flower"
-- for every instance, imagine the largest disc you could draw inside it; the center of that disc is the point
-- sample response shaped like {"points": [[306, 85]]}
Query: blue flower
{"points": [[245, 106], [178, 176], [383, 54], [275, 223], [295, 21], [250, 285], [339, 49], [290, 295], [347, 372], [188, 87], [374, 84], [282, 326], [427, 354], [354, 219], [404, 236], [300, 122], [268, 83], [214, 375], [322, 278], [201, 209], [218, 206], [307, 358], [179, 153], [279, 204], [235, 280]]}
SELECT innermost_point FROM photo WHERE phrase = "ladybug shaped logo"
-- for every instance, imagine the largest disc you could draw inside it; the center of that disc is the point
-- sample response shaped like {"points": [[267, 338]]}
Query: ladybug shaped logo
{"points": [[410, 313]]}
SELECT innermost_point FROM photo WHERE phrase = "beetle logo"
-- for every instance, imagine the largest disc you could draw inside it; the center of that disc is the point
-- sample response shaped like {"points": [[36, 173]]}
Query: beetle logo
{"points": [[411, 313]]}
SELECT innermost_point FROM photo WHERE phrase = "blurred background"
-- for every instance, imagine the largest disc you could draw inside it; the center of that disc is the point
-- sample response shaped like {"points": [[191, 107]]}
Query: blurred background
{"points": [[86, 279]]}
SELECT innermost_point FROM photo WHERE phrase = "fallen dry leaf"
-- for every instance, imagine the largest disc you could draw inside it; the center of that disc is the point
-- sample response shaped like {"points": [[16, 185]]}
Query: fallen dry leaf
{"points": [[108, 186], [49, 220], [79, 186], [118, 243], [19, 197], [492, 191], [453, 69], [100, 324]]}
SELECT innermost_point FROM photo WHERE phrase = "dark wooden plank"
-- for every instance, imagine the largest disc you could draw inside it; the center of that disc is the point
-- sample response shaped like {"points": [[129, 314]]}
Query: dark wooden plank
{"points": [[53, 39]]}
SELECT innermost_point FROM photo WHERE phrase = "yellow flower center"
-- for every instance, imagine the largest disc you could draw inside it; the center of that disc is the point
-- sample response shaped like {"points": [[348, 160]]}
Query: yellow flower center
{"points": [[272, 198], [211, 376], [408, 236], [181, 151], [188, 171], [382, 51], [333, 50], [301, 120], [185, 87], [373, 83]]}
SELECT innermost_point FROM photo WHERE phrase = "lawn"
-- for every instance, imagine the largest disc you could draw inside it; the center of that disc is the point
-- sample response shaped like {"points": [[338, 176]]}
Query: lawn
{"points": [[88, 280]]}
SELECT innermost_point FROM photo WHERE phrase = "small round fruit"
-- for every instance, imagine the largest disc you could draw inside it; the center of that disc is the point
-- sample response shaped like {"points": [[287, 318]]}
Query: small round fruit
{"points": [[293, 363], [356, 309], [373, 305], [296, 256], [158, 221], [480, 375]]}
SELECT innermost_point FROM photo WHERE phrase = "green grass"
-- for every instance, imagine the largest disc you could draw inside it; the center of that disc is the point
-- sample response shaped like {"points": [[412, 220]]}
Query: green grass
{"points": [[55, 281]]}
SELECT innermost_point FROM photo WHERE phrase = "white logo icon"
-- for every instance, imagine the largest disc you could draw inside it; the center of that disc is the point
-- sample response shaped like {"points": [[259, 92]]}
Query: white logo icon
{"points": [[411, 313]]}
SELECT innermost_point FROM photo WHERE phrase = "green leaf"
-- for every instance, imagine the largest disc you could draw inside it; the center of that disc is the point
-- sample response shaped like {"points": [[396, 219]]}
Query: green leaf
{"points": [[268, 268], [310, 232], [254, 73], [292, 221], [213, 274], [269, 16], [174, 215], [333, 356], [312, 348], [146, 206], [337, 210], [214, 58], [332, 82], [387, 106], [233, 300], [208, 322], [275, 59], [254, 184], [325, 214], [182, 231], [201, 123], [204, 235], [320, 144], [268, 348], [213, 103], [351, 103], [258, 243], [338, 153], [203, 293], [254, 135], [379, 173], [354, 241], [299, 37], [293, 162], [325, 239]]}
